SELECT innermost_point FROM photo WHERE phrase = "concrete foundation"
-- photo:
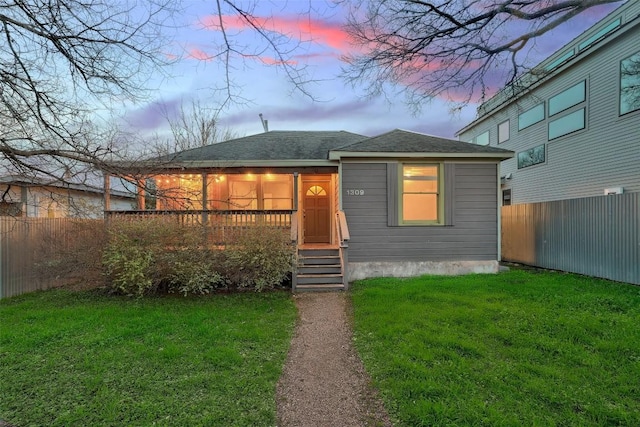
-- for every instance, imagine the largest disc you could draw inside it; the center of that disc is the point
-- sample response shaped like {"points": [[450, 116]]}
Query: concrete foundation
{"points": [[364, 270]]}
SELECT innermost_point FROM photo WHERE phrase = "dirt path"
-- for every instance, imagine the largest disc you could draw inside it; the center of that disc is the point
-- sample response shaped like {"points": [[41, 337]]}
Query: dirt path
{"points": [[324, 383]]}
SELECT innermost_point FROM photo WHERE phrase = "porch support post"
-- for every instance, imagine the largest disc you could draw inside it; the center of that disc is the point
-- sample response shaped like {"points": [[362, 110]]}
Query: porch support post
{"points": [[107, 193], [295, 191], [295, 231], [205, 197], [140, 187]]}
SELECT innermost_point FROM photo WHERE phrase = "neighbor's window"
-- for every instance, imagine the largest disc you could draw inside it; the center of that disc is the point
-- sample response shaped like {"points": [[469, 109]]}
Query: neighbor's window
{"points": [[600, 34], [531, 157], [483, 138], [568, 98], [630, 84], [531, 116], [506, 197], [561, 60], [10, 209], [420, 201], [566, 124], [503, 132]]}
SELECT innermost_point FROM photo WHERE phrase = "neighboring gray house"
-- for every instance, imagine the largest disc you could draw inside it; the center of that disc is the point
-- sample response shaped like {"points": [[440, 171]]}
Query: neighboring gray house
{"points": [[399, 204], [574, 183], [30, 197], [575, 129]]}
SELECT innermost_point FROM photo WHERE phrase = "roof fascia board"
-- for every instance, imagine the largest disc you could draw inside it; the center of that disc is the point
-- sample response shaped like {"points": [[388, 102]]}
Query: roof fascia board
{"points": [[221, 164], [338, 155]]}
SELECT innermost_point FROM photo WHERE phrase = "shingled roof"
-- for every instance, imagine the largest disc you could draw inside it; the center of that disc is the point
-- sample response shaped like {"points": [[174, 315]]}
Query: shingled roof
{"points": [[323, 148], [272, 145], [401, 141]]}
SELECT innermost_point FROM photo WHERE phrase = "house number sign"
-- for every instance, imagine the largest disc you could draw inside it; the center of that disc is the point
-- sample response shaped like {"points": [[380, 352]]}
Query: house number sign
{"points": [[352, 192]]}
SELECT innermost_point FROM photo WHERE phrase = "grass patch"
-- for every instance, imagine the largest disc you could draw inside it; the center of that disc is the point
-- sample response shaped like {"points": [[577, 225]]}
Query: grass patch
{"points": [[518, 348], [88, 359]]}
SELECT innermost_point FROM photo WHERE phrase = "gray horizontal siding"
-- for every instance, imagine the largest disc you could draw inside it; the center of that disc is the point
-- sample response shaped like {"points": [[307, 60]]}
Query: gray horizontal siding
{"points": [[472, 235], [605, 154]]}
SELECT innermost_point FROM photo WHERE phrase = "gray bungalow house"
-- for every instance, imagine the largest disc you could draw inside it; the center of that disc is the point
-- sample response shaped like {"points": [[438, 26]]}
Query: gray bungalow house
{"points": [[398, 204]]}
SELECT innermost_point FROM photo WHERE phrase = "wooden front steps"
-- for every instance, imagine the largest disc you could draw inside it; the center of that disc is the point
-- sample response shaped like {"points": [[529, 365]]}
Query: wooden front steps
{"points": [[319, 270]]}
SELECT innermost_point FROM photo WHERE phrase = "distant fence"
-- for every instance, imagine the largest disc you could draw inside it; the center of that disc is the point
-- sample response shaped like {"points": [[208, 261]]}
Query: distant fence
{"points": [[595, 236], [38, 253]]}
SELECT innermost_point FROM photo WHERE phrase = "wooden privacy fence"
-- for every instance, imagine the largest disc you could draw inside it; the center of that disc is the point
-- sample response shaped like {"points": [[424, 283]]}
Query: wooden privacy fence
{"points": [[595, 236], [38, 253]]}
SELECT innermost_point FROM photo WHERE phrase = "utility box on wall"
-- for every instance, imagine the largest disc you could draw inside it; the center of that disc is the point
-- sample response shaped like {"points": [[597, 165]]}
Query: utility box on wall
{"points": [[613, 190]]}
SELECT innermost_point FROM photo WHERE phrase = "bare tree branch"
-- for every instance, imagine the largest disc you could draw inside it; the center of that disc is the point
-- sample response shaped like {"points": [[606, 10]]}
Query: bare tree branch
{"points": [[457, 49], [194, 126], [274, 47], [59, 61]]}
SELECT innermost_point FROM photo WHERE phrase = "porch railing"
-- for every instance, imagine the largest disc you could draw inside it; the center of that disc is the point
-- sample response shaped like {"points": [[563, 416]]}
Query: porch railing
{"points": [[232, 218], [220, 224]]}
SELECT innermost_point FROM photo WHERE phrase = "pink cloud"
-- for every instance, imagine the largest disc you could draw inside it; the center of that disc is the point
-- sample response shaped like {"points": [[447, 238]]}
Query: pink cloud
{"points": [[318, 31], [198, 54], [273, 61]]}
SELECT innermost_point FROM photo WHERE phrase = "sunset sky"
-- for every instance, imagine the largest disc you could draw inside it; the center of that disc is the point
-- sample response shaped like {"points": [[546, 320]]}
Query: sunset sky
{"points": [[313, 32]]}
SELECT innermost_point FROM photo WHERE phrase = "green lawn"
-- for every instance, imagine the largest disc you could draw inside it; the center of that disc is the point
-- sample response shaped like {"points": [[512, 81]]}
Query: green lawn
{"points": [[518, 348], [86, 359]]}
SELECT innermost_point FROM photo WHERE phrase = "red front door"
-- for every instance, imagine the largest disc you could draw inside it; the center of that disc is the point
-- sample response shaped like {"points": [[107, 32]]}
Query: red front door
{"points": [[317, 211]]}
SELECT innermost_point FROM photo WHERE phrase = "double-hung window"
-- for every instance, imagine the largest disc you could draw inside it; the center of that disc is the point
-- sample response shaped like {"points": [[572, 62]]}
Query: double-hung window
{"points": [[420, 194]]}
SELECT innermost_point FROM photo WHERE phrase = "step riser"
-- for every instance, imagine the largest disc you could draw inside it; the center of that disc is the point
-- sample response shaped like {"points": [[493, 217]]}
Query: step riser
{"points": [[319, 269], [315, 288], [318, 260], [321, 280], [318, 252]]}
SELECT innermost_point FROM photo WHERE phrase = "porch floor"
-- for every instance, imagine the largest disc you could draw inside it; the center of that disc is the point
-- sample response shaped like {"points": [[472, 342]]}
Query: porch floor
{"points": [[317, 246]]}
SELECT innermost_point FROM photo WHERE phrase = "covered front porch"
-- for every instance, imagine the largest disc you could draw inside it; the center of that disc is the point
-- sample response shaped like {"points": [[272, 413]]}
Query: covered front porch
{"points": [[304, 204]]}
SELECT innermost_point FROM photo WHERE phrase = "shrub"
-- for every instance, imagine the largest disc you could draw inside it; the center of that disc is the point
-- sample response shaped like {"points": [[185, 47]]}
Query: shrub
{"points": [[194, 272], [260, 258], [129, 256], [143, 257], [129, 269]]}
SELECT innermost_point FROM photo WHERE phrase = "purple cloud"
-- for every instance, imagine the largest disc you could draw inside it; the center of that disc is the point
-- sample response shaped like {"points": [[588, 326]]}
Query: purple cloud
{"points": [[306, 114], [154, 115]]}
